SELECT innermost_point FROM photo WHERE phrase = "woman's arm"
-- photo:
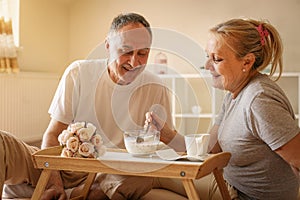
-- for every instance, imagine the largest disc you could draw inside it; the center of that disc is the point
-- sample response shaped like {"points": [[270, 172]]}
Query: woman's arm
{"points": [[290, 152], [213, 146]]}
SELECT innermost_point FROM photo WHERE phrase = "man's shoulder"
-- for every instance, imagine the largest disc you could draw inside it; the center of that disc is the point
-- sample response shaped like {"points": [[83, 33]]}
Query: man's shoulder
{"points": [[89, 67], [151, 77], [87, 64]]}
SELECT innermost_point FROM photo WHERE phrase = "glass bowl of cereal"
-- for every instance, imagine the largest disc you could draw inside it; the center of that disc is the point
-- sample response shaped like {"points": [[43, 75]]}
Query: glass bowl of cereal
{"points": [[141, 142]]}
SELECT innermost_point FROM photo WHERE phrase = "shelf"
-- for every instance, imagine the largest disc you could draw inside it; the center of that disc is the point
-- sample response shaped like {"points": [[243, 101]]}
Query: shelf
{"points": [[186, 93], [206, 74], [192, 115], [289, 74], [202, 74]]}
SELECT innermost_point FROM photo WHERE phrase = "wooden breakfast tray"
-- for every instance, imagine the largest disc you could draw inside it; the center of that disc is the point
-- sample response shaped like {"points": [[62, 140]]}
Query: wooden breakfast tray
{"points": [[120, 162]]}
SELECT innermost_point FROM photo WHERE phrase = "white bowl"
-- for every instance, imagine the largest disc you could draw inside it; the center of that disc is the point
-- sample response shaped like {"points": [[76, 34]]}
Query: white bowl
{"points": [[140, 143]]}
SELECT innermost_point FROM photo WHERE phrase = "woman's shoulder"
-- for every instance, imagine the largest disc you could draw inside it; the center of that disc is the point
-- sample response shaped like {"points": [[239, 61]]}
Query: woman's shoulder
{"points": [[264, 89], [262, 84]]}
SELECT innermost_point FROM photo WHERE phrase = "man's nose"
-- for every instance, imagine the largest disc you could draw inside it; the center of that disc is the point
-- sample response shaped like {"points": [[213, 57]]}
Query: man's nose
{"points": [[134, 61]]}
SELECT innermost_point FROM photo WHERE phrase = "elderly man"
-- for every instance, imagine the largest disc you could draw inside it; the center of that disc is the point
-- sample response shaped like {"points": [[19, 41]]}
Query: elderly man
{"points": [[114, 94]]}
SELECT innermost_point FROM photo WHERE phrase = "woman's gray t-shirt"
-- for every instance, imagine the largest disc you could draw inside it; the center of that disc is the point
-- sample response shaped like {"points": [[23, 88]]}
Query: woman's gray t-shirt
{"points": [[251, 126]]}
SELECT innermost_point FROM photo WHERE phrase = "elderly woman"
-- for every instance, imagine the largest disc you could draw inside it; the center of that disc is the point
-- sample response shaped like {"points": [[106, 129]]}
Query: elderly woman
{"points": [[256, 124]]}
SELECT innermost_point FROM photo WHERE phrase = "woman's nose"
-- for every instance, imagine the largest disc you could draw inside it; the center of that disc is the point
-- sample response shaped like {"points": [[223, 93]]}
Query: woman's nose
{"points": [[208, 65]]}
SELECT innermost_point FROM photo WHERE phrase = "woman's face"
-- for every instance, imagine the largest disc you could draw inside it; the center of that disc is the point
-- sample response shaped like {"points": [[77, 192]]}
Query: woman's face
{"points": [[226, 69]]}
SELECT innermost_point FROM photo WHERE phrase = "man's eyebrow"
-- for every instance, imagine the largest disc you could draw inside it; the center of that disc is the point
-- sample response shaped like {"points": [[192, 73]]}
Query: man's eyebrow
{"points": [[126, 46]]}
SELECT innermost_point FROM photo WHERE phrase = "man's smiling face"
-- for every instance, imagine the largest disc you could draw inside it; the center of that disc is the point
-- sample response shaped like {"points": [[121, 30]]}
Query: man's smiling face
{"points": [[128, 52]]}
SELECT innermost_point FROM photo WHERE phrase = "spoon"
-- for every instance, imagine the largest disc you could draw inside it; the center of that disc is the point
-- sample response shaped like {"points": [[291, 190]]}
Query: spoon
{"points": [[140, 139]]}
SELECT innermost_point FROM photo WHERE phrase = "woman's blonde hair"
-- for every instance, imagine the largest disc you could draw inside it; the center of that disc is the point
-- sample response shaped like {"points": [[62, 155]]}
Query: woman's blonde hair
{"points": [[245, 36]]}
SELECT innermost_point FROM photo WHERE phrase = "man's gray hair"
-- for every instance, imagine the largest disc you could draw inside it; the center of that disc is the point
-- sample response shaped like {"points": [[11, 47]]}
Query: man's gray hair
{"points": [[128, 18]]}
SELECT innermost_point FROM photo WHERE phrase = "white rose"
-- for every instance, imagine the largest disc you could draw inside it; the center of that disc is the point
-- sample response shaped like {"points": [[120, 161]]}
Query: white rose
{"points": [[100, 150], [96, 140], [76, 126], [72, 144], [91, 127], [86, 149], [66, 153], [64, 136], [85, 134]]}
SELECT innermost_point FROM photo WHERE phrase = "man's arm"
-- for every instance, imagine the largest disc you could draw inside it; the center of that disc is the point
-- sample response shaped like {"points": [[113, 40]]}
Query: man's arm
{"points": [[50, 137], [55, 188]]}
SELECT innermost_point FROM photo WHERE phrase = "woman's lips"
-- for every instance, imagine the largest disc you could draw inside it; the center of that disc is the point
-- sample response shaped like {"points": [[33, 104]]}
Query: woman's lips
{"points": [[215, 75]]}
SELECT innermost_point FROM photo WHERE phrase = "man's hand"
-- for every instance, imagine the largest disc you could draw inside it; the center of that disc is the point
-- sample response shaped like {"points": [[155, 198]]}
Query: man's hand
{"points": [[54, 189], [154, 121], [54, 193]]}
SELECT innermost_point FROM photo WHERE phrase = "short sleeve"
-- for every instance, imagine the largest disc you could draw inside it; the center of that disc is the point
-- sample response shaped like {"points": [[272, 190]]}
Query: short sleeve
{"points": [[272, 119], [62, 103]]}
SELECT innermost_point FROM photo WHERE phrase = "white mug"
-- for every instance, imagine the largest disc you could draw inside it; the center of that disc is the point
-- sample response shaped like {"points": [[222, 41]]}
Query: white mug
{"points": [[197, 144]]}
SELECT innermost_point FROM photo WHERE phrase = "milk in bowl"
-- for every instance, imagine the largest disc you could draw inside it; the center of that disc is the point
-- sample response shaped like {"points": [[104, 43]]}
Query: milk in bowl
{"points": [[141, 142]]}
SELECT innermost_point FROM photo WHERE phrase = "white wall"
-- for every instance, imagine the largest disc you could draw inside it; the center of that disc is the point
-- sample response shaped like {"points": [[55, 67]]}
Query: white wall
{"points": [[44, 35], [56, 32], [53, 33]]}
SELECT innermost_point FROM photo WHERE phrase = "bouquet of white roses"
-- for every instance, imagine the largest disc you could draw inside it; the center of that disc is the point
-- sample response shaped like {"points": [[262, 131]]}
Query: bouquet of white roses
{"points": [[81, 140]]}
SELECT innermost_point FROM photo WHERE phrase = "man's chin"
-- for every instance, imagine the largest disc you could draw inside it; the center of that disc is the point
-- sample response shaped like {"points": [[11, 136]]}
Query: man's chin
{"points": [[126, 81], [130, 77]]}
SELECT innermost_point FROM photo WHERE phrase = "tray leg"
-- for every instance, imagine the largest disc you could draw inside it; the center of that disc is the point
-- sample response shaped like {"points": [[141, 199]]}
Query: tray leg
{"points": [[41, 185], [221, 184], [190, 189], [89, 181]]}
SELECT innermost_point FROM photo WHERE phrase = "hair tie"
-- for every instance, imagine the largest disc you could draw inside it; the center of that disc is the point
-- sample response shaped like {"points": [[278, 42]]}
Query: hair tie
{"points": [[262, 33]]}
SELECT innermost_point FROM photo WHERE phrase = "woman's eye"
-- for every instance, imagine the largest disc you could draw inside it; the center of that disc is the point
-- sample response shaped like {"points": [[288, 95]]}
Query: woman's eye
{"points": [[217, 60]]}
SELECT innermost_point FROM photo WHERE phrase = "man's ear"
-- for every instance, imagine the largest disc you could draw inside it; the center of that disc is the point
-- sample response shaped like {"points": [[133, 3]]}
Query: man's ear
{"points": [[106, 44], [249, 60]]}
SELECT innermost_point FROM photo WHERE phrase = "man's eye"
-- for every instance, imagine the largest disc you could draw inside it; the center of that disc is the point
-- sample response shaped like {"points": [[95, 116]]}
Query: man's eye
{"points": [[143, 53]]}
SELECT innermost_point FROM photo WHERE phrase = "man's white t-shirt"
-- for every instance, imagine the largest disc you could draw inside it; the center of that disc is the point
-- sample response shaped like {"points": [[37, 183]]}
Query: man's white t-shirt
{"points": [[87, 93]]}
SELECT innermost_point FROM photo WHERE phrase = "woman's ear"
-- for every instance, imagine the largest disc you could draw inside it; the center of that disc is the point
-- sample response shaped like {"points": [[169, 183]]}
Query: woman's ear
{"points": [[249, 60]]}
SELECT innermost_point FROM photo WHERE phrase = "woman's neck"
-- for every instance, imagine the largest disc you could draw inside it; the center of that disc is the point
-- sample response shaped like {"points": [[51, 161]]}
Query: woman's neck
{"points": [[252, 74]]}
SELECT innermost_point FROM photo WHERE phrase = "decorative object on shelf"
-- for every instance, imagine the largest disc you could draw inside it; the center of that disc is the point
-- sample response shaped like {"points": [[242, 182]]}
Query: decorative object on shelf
{"points": [[8, 49], [196, 109], [81, 140], [161, 62]]}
